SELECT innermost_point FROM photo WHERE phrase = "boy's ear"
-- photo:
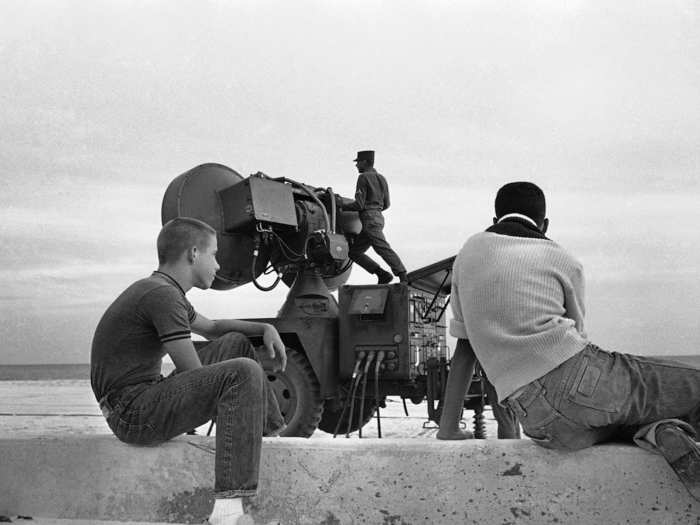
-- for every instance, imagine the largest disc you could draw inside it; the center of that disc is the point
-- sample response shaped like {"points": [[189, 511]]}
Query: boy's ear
{"points": [[192, 254]]}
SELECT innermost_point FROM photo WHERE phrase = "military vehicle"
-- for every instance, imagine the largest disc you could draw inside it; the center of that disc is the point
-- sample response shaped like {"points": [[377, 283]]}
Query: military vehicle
{"points": [[345, 355]]}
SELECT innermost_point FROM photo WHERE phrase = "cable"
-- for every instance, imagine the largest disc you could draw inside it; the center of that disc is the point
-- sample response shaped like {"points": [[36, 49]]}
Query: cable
{"points": [[331, 197], [358, 361], [352, 404], [380, 358], [268, 270], [287, 250], [256, 250], [368, 363], [352, 401], [311, 194]]}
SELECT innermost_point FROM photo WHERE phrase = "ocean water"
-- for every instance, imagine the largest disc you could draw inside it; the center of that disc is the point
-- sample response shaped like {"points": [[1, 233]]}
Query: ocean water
{"points": [[43, 372], [52, 372], [82, 371]]}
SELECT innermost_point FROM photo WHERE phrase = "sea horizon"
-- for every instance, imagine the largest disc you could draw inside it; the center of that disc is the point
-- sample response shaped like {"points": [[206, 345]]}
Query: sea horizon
{"points": [[77, 371], [48, 372]]}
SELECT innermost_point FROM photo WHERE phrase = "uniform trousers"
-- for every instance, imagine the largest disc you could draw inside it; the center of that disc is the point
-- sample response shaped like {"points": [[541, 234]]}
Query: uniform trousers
{"points": [[372, 235]]}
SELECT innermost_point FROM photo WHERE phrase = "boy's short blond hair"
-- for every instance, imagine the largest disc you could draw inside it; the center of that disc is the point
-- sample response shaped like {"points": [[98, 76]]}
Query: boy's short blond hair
{"points": [[179, 235]]}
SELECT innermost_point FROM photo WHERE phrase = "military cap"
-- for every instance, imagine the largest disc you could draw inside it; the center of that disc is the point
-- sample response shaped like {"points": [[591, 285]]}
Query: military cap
{"points": [[367, 155]]}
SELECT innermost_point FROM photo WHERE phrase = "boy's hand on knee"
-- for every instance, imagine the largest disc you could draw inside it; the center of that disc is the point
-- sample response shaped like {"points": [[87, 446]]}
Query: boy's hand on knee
{"points": [[274, 348]]}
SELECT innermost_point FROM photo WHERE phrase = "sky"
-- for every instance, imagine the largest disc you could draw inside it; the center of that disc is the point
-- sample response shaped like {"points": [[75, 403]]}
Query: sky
{"points": [[103, 103]]}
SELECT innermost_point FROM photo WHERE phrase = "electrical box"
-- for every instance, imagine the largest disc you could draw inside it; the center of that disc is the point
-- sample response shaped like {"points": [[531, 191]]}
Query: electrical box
{"points": [[407, 324], [257, 199]]}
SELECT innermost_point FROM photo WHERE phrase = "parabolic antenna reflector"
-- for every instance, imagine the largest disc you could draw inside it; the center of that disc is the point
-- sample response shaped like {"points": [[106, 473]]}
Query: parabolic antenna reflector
{"points": [[195, 193]]}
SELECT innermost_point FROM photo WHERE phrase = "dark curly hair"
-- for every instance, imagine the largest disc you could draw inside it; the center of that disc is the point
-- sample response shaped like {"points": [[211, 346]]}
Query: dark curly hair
{"points": [[525, 198]]}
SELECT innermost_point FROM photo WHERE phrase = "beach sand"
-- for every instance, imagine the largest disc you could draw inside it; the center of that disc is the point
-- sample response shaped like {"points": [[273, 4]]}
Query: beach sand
{"points": [[67, 407]]}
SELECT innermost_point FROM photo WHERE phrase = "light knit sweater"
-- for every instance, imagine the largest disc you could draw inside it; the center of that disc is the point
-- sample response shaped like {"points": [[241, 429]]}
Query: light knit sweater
{"points": [[519, 301]]}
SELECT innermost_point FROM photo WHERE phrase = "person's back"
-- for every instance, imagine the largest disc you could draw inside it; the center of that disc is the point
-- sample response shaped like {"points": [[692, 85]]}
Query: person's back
{"points": [[517, 297], [521, 300]]}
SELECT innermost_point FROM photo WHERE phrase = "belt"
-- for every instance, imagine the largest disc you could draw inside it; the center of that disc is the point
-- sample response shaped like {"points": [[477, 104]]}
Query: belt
{"points": [[524, 396], [105, 405], [519, 392], [117, 400]]}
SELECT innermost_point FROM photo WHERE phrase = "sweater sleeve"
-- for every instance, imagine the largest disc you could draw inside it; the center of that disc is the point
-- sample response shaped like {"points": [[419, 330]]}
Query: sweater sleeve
{"points": [[457, 327], [574, 296]]}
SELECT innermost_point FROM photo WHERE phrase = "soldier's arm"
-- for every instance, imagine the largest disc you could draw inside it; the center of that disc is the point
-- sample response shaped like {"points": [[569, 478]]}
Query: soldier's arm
{"points": [[360, 196]]}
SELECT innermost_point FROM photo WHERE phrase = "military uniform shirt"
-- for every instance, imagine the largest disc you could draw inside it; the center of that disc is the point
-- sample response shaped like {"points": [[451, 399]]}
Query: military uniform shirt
{"points": [[371, 193]]}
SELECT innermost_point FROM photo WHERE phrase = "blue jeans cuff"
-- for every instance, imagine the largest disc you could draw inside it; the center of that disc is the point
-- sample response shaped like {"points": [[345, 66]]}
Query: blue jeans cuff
{"points": [[645, 436]]}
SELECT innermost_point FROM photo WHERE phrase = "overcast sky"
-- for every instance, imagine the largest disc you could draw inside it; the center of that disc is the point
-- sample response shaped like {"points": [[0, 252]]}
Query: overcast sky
{"points": [[103, 103]]}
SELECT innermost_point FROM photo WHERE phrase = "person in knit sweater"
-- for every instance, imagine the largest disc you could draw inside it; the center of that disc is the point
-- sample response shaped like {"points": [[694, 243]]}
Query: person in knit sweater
{"points": [[518, 304]]}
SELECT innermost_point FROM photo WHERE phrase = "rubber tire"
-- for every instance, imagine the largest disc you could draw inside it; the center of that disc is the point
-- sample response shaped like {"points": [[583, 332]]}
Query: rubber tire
{"points": [[332, 412], [298, 394]]}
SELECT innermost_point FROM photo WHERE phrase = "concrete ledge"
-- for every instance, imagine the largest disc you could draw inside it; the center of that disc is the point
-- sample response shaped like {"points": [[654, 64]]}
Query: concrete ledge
{"points": [[330, 482]]}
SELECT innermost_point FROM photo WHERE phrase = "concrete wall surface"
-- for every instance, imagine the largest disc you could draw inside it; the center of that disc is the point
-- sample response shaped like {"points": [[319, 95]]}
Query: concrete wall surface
{"points": [[346, 481]]}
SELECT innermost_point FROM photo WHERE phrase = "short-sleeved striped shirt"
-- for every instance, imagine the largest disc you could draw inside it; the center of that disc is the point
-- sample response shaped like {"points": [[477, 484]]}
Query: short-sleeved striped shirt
{"points": [[127, 347]]}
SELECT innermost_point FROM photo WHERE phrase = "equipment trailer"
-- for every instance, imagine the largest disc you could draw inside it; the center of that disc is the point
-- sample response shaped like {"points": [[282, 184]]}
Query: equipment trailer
{"points": [[345, 356]]}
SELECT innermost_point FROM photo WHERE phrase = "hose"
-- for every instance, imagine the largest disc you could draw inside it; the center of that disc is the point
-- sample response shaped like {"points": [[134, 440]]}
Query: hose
{"points": [[368, 363], [252, 273], [331, 197], [358, 361], [311, 194], [352, 402], [380, 358]]}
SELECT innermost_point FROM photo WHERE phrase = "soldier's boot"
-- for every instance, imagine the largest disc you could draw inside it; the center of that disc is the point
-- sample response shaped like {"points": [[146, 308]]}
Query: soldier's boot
{"points": [[383, 277]]}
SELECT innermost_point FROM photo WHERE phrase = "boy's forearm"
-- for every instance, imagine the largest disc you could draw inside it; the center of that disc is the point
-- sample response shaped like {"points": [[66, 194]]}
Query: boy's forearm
{"points": [[249, 328]]}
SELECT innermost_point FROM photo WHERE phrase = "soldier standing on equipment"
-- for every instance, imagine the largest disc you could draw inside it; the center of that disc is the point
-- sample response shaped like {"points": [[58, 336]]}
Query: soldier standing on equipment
{"points": [[371, 198]]}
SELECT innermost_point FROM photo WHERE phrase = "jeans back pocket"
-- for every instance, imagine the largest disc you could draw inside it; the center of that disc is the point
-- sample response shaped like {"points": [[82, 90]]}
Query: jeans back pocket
{"points": [[601, 383]]}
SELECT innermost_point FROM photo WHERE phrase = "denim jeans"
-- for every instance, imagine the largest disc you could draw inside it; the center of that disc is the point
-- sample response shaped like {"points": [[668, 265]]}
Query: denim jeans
{"points": [[508, 427], [599, 396], [231, 388]]}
